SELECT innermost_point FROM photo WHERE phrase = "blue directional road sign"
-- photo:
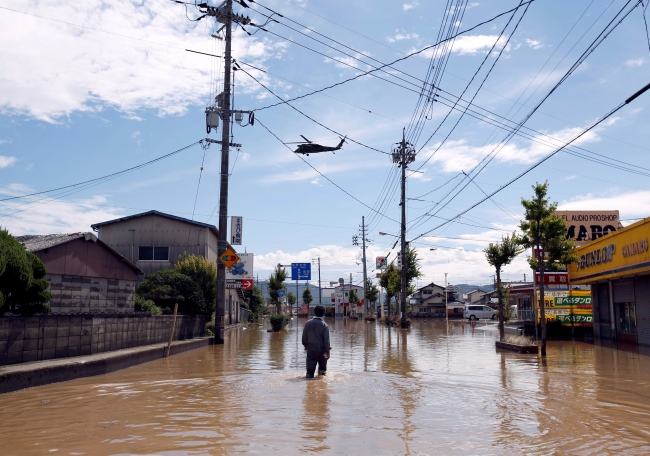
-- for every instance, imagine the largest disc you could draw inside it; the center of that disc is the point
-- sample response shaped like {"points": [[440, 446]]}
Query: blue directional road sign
{"points": [[281, 293], [300, 271]]}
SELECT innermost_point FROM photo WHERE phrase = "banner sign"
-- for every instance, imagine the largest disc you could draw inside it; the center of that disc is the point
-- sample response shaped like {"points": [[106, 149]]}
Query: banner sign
{"points": [[242, 268], [236, 228], [584, 226], [572, 307]]}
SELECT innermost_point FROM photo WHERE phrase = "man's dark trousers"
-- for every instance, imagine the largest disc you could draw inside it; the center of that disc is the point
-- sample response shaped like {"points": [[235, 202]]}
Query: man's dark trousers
{"points": [[316, 356]]}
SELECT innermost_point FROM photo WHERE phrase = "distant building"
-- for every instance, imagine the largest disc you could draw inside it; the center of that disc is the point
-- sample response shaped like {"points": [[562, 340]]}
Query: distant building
{"points": [[342, 306], [429, 301], [153, 240], [474, 297], [85, 274]]}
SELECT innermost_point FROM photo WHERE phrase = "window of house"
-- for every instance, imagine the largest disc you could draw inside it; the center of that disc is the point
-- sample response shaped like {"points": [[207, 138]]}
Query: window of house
{"points": [[427, 292], [150, 253]]}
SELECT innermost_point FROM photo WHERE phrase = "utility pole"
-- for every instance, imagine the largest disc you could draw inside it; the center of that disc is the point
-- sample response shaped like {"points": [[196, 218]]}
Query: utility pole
{"points": [[320, 292], [222, 242], [366, 307], [404, 154]]}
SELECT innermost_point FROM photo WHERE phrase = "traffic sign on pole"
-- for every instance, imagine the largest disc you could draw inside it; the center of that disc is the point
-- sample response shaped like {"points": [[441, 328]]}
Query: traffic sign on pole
{"points": [[229, 257], [300, 271], [281, 293]]}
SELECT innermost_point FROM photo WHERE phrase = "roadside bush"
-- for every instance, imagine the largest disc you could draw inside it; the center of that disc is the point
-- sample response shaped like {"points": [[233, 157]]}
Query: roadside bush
{"points": [[518, 340], [278, 321], [167, 287], [204, 274], [146, 305]]}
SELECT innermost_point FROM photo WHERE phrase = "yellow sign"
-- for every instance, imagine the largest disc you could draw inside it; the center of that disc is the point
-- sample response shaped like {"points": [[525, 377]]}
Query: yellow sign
{"points": [[572, 307], [229, 257], [618, 253]]}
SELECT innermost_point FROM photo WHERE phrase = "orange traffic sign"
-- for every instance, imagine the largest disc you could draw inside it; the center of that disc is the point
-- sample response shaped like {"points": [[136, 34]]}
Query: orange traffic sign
{"points": [[229, 257]]}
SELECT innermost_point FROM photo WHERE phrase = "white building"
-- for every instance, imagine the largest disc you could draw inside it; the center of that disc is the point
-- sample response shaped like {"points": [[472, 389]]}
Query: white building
{"points": [[342, 303]]}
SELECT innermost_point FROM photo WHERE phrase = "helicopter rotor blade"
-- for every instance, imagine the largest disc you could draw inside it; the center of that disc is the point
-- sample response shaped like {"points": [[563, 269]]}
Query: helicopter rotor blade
{"points": [[306, 139]]}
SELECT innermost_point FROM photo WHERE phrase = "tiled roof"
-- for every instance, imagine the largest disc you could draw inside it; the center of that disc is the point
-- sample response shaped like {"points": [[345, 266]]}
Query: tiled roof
{"points": [[37, 242]]}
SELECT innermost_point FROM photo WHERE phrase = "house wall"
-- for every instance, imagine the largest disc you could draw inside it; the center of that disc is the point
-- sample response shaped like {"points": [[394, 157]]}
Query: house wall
{"points": [[25, 339], [74, 294], [85, 276], [155, 230]]}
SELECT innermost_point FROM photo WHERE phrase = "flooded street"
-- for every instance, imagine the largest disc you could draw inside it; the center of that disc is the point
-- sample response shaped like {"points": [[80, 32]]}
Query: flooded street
{"points": [[387, 391]]}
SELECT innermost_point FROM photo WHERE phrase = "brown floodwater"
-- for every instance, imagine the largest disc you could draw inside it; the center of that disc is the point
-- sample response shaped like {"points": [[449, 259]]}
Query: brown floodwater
{"points": [[388, 391]]}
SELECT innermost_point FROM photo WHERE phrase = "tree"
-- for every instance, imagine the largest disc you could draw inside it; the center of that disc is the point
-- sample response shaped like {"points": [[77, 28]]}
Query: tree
{"points": [[391, 282], [168, 287], [23, 287], [353, 297], [307, 298], [276, 283], [499, 255], [545, 231], [413, 270], [291, 298], [204, 274], [371, 293], [255, 301]]}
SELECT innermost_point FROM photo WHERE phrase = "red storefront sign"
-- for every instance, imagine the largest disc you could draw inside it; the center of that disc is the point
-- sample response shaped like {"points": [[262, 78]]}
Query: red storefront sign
{"points": [[554, 278]]}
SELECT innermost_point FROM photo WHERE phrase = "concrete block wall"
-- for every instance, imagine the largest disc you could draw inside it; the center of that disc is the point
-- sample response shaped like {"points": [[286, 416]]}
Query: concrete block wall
{"points": [[90, 294], [26, 339]]}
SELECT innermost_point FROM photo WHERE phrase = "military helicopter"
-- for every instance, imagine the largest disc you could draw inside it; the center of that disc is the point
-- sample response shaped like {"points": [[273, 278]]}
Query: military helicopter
{"points": [[311, 148]]}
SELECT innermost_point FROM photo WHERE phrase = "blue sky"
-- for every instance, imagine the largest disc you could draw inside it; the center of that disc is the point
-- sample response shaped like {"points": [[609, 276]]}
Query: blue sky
{"points": [[80, 102]]}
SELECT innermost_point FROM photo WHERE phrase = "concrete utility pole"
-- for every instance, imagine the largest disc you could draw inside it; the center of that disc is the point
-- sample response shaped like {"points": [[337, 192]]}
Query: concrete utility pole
{"points": [[222, 242], [404, 154], [320, 292], [365, 274]]}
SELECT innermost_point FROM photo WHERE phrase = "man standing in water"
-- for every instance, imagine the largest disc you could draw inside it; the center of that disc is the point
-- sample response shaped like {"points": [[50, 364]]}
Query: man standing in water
{"points": [[316, 339]]}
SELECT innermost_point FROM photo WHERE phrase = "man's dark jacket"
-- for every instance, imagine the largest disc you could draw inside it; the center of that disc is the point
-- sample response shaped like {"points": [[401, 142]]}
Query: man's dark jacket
{"points": [[316, 335]]}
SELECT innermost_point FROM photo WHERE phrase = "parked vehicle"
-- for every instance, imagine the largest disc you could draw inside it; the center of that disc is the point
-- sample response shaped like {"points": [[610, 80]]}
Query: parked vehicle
{"points": [[474, 312]]}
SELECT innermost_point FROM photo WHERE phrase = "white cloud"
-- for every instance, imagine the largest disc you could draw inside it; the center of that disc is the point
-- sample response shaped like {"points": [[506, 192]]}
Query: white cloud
{"points": [[52, 216], [472, 44], [245, 156], [458, 155], [629, 205], [6, 162], [535, 44], [51, 69], [408, 6], [315, 182], [634, 63], [402, 36]]}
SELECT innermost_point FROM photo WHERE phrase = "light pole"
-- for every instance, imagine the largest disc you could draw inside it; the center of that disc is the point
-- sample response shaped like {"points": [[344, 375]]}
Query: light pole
{"points": [[446, 302]]}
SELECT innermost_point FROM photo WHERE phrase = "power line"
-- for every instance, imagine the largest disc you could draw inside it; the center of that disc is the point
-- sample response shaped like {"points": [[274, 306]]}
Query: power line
{"points": [[115, 174], [591, 127], [310, 118], [323, 175], [365, 73]]}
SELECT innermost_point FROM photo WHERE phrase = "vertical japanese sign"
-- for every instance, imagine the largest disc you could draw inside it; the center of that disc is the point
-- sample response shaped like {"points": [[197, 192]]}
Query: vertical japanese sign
{"points": [[236, 228]]}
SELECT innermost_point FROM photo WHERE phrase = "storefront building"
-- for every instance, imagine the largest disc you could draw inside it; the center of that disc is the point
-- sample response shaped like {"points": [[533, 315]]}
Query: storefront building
{"points": [[617, 266]]}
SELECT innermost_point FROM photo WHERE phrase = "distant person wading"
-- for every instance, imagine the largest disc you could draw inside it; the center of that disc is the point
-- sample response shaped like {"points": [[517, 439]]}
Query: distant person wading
{"points": [[316, 339]]}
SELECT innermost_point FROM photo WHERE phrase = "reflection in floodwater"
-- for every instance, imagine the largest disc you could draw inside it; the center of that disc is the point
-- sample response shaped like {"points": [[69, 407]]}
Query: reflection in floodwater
{"points": [[387, 391]]}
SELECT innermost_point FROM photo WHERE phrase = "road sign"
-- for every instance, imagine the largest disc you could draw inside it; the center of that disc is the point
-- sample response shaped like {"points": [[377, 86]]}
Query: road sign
{"points": [[236, 229], [236, 284], [281, 293], [242, 269], [300, 271], [229, 257], [247, 284]]}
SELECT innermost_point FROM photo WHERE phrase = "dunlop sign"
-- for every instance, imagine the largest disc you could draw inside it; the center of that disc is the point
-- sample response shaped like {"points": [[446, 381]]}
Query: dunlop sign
{"points": [[596, 257], [584, 226]]}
